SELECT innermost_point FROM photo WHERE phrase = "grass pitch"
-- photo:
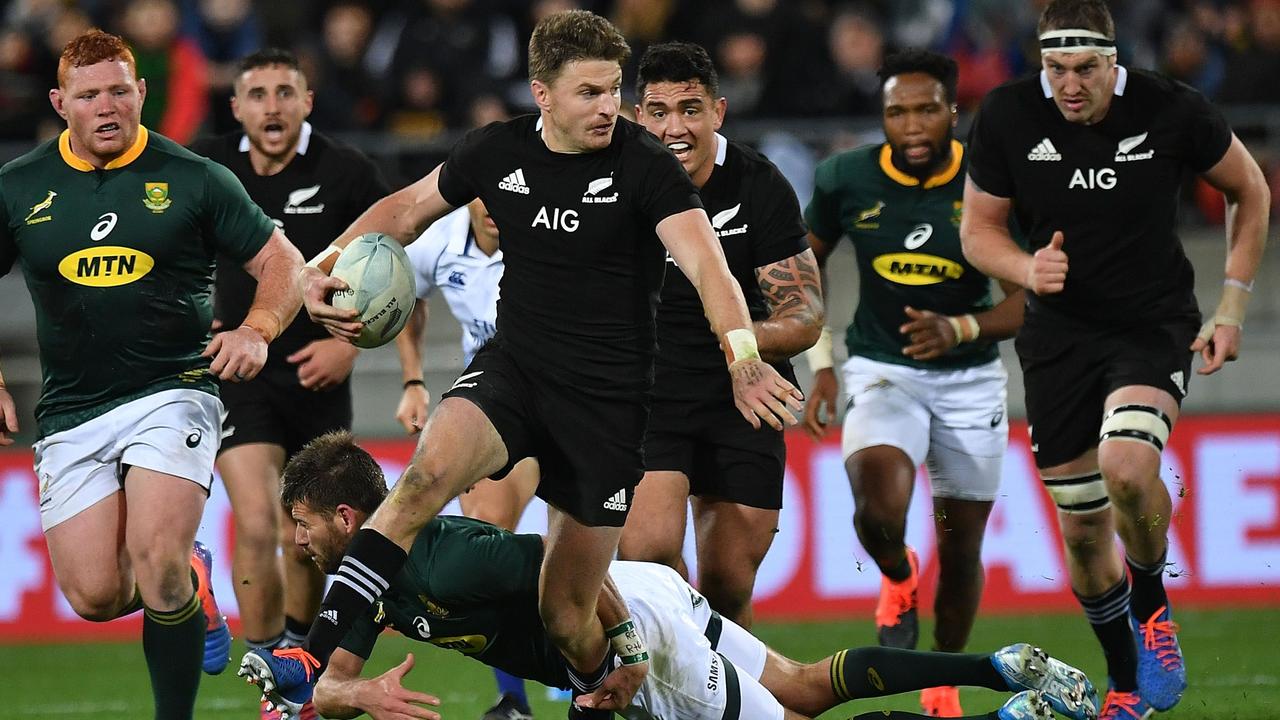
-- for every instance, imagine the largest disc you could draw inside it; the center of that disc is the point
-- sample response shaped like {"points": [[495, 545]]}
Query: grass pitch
{"points": [[1232, 662]]}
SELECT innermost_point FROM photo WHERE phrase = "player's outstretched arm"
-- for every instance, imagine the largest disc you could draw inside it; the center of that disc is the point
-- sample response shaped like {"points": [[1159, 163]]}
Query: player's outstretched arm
{"points": [[415, 401], [794, 293], [239, 354], [985, 238], [1240, 179], [621, 684], [759, 392], [8, 414], [342, 693]]}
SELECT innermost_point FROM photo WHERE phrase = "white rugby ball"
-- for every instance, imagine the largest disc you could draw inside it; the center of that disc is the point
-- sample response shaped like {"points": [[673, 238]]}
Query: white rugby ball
{"points": [[380, 287]]}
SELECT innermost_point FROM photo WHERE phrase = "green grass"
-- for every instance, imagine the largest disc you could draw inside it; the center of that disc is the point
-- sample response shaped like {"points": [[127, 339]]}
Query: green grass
{"points": [[1233, 669]]}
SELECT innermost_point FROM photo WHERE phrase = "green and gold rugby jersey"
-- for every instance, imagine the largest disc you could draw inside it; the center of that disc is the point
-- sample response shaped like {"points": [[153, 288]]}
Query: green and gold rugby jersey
{"points": [[906, 235], [471, 587], [119, 263]]}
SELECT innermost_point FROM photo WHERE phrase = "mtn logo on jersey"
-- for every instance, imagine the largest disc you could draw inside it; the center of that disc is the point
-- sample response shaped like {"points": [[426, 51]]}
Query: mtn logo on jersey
{"points": [[514, 182], [293, 204], [907, 268], [595, 187], [105, 266], [40, 207], [618, 502], [1044, 151], [722, 218], [1124, 146]]}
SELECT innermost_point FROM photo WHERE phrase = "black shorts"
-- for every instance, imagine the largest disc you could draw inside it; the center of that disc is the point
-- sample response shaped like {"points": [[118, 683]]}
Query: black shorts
{"points": [[1069, 372], [709, 441], [587, 443], [274, 408]]}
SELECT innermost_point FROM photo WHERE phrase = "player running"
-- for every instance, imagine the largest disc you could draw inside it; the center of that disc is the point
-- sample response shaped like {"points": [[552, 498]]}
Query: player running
{"points": [[924, 379], [472, 587], [1089, 156]]}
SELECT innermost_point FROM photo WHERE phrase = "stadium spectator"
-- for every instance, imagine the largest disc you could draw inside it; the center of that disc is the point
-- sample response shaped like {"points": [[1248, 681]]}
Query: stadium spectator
{"points": [[1090, 156], [1252, 69], [129, 415], [352, 97], [857, 51], [175, 69], [226, 31]]}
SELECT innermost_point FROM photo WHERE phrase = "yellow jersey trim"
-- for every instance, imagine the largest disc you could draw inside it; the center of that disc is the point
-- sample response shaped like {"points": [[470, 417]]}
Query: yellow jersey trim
{"points": [[75, 161], [947, 175]]}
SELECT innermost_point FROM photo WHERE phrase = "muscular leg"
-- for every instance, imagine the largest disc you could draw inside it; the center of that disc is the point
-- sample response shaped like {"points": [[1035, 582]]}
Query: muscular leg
{"points": [[573, 571], [503, 502], [656, 524], [91, 563], [882, 478], [959, 526], [251, 474], [732, 542]]}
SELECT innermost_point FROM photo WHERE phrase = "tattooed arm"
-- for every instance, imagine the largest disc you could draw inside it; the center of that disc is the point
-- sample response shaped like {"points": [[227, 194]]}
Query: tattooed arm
{"points": [[794, 293]]}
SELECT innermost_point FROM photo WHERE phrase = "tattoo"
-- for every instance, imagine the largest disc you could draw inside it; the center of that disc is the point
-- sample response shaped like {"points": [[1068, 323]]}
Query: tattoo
{"points": [[791, 286]]}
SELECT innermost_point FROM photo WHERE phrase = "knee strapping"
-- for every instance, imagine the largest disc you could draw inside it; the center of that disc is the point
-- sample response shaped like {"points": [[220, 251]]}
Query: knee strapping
{"points": [[1137, 423], [1078, 494]]}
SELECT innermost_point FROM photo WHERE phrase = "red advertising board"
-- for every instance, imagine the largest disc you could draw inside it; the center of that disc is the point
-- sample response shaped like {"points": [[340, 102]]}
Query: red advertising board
{"points": [[1223, 473]]}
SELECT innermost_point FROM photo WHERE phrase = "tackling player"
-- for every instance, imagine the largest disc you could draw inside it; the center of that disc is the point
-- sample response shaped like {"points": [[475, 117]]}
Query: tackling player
{"points": [[472, 587], [1090, 156], [313, 188], [579, 195], [924, 380], [117, 228], [698, 449]]}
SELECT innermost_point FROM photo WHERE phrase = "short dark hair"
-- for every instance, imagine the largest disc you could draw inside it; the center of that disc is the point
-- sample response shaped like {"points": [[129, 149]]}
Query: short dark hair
{"points": [[563, 37], [1077, 14], [267, 57], [677, 62], [331, 471], [938, 66]]}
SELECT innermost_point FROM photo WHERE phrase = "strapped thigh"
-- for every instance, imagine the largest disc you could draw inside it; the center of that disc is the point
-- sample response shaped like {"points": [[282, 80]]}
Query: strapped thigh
{"points": [[1078, 494], [1137, 423]]}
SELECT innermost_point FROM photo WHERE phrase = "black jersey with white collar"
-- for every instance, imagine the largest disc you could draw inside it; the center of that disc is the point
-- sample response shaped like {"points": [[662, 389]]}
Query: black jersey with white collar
{"points": [[583, 262], [1112, 188]]}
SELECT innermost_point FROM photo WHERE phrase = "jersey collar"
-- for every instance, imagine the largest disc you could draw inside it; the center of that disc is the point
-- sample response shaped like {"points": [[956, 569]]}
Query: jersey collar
{"points": [[70, 158], [1122, 80], [722, 149], [304, 139], [942, 178]]}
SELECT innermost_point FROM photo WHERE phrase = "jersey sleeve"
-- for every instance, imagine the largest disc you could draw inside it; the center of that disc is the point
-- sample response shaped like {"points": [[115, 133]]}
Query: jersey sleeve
{"points": [[8, 247], [823, 211], [236, 224], [362, 636], [484, 564], [1208, 136], [457, 182], [784, 228], [665, 188], [988, 167]]}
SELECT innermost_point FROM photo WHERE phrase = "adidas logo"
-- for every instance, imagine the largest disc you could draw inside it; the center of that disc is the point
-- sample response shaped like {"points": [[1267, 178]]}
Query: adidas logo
{"points": [[617, 502], [1045, 151], [514, 182], [330, 615]]}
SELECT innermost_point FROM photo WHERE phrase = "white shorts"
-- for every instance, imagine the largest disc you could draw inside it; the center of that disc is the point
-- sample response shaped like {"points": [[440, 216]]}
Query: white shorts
{"points": [[175, 432], [953, 420], [688, 678]]}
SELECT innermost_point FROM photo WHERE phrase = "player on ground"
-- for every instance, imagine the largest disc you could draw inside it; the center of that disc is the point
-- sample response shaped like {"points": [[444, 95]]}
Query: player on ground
{"points": [[116, 228], [578, 195], [1089, 156], [313, 189], [459, 255], [698, 448], [472, 587], [924, 379]]}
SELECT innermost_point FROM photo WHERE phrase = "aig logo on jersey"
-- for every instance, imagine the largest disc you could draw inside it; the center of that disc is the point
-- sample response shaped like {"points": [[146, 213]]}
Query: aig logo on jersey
{"points": [[1092, 179]]}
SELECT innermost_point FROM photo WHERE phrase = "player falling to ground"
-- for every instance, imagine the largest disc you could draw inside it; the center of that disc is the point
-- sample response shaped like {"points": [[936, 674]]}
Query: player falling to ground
{"points": [[473, 587], [313, 189], [1090, 156], [924, 380], [578, 195], [117, 228], [698, 449], [459, 256]]}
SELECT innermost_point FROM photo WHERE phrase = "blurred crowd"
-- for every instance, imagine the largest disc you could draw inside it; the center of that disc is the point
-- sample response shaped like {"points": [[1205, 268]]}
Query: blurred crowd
{"points": [[415, 68]]}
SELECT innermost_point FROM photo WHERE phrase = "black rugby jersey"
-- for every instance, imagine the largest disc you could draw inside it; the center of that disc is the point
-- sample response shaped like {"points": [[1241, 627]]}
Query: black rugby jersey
{"points": [[756, 216], [1112, 188], [313, 199], [583, 264]]}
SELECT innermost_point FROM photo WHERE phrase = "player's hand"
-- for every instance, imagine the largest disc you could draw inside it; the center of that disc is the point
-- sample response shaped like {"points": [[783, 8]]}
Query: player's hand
{"points": [[1047, 273], [820, 407], [317, 288], [618, 688], [386, 698], [8, 416], [323, 364], [762, 394], [238, 355], [930, 334], [1221, 347], [412, 411]]}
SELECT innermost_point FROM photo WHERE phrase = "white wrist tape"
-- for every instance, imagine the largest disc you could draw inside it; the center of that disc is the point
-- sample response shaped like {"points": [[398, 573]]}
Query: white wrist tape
{"points": [[742, 345], [965, 327], [819, 356], [1235, 300], [627, 643], [325, 254]]}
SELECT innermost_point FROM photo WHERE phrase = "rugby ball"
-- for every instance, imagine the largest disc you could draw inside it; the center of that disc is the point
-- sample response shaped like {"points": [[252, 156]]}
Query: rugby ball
{"points": [[380, 287]]}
